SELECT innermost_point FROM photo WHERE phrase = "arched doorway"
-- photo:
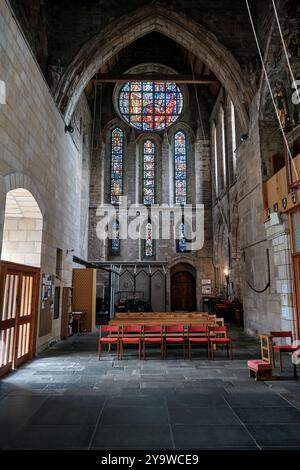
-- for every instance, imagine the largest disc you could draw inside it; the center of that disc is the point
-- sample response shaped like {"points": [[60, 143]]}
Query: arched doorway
{"points": [[183, 288], [19, 278], [22, 231]]}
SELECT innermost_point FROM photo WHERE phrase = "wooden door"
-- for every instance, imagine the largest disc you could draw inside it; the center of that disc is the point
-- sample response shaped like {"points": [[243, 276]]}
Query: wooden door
{"points": [[183, 292], [19, 287]]}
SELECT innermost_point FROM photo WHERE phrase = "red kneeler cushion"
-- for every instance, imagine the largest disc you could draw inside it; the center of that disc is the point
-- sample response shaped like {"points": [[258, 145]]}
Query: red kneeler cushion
{"points": [[259, 364]]}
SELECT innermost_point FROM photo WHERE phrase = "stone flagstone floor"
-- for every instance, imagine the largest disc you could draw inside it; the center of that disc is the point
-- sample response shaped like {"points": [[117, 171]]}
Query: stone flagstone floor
{"points": [[67, 399]]}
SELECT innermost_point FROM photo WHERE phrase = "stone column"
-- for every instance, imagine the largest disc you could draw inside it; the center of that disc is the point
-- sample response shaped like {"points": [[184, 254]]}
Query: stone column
{"points": [[129, 177], [98, 195], [284, 311]]}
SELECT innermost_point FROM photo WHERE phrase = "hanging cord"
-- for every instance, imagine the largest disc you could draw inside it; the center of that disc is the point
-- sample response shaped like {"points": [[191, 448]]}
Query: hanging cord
{"points": [[270, 89], [269, 278], [203, 133], [285, 50]]}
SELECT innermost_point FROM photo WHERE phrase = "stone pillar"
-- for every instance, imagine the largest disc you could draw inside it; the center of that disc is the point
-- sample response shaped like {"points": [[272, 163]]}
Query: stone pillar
{"points": [[278, 233], [98, 195], [129, 177]]}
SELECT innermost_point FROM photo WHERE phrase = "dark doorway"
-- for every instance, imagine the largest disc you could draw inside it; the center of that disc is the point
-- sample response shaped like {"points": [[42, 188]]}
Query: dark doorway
{"points": [[183, 292]]}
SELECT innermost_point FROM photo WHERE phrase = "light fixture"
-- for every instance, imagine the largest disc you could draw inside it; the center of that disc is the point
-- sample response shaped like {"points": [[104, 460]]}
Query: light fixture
{"points": [[243, 137], [226, 272], [69, 128]]}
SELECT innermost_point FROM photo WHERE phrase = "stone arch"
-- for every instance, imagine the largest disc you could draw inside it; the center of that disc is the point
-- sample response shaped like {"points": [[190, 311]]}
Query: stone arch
{"points": [[183, 275], [182, 260], [143, 21], [20, 180], [22, 229], [182, 126], [111, 125]]}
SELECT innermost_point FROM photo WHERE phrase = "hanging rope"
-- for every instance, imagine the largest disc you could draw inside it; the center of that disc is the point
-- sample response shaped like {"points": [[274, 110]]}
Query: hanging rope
{"points": [[269, 278], [270, 90]]}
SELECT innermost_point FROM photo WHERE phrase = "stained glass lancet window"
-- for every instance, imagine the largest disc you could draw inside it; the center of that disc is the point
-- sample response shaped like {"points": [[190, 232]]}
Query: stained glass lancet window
{"points": [[115, 240], [180, 156], [149, 240], [181, 244], [150, 106], [149, 172], [116, 177]]}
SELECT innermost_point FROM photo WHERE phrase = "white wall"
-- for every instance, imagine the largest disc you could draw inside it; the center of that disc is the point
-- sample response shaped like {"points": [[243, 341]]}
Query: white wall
{"points": [[36, 153]]}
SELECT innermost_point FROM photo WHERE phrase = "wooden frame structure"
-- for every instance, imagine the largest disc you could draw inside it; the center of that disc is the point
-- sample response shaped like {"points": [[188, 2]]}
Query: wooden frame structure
{"points": [[19, 295]]}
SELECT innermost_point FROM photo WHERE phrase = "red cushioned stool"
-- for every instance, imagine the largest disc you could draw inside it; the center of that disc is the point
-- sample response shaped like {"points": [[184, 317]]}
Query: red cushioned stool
{"points": [[260, 369]]}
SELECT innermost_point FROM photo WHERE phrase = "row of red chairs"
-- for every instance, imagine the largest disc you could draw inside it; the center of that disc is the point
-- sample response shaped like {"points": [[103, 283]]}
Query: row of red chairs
{"points": [[212, 336]]}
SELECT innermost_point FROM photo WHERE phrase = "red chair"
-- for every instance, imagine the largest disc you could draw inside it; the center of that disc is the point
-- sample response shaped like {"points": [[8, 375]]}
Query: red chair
{"points": [[280, 348], [174, 335], [131, 335], [197, 335], [153, 335], [218, 336], [112, 337]]}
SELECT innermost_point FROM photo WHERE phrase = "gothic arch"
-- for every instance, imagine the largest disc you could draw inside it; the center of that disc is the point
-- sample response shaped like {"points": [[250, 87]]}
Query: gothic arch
{"points": [[143, 21]]}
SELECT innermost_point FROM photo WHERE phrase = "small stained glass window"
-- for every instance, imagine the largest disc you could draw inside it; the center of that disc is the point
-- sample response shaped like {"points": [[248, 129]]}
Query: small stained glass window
{"points": [[181, 244], [149, 240], [180, 156], [150, 106], [148, 172], [115, 240], [116, 177]]}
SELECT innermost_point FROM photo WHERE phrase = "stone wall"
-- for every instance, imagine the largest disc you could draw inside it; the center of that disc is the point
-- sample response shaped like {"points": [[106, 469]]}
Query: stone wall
{"points": [[22, 241], [198, 187], [37, 154]]}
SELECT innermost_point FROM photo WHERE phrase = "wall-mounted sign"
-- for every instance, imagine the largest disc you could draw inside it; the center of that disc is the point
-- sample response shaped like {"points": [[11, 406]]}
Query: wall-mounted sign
{"points": [[47, 286], [206, 286]]}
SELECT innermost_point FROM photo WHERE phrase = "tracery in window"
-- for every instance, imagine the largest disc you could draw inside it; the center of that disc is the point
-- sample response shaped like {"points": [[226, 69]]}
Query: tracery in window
{"points": [[149, 240], [150, 106], [116, 176], [148, 172], [180, 157], [115, 240], [181, 243]]}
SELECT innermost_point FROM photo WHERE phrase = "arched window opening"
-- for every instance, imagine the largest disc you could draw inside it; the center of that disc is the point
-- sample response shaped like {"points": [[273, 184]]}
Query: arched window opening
{"points": [[115, 240], [215, 157], [116, 176], [148, 172], [181, 243], [233, 139], [150, 106], [223, 149], [149, 240], [180, 156]]}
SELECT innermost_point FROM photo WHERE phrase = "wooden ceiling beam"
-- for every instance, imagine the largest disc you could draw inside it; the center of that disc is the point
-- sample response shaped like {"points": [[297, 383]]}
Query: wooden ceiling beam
{"points": [[121, 78]]}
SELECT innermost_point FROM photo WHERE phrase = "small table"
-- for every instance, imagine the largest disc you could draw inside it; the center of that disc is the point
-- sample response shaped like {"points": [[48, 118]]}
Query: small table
{"points": [[79, 319]]}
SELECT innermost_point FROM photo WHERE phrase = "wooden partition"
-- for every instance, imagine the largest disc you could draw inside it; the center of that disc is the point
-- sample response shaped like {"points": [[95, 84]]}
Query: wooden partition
{"points": [[84, 296], [19, 288]]}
